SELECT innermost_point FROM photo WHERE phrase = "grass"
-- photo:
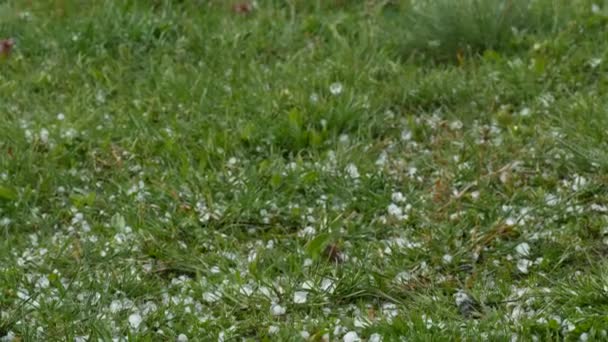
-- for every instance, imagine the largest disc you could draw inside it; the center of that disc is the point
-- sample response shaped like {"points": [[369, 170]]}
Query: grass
{"points": [[445, 30], [173, 170]]}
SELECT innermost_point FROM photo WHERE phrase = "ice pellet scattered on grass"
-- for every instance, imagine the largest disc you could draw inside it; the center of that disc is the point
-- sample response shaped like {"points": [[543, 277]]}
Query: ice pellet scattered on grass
{"points": [[351, 336], [300, 297], [336, 88], [277, 310], [523, 264], [246, 290], [135, 320], [327, 285], [523, 249], [352, 171], [375, 337], [398, 197], [211, 297]]}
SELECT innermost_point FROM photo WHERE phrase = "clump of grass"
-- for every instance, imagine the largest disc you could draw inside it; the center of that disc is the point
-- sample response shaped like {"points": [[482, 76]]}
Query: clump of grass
{"points": [[444, 30]]}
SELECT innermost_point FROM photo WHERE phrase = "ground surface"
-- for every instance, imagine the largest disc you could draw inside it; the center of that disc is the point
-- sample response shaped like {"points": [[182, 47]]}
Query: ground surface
{"points": [[177, 170]]}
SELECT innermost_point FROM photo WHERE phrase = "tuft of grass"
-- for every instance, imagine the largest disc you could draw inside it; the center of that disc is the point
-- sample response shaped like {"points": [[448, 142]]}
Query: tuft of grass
{"points": [[446, 30]]}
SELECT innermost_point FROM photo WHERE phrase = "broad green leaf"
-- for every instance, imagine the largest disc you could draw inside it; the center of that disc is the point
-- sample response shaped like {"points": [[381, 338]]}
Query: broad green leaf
{"points": [[315, 246], [7, 193], [118, 221], [84, 200]]}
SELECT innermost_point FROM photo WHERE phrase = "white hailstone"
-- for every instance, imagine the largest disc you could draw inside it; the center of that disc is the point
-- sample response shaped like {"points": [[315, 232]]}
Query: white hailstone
{"points": [[510, 222], [584, 337], [265, 291], [427, 321], [314, 98], [307, 231], [595, 62], [323, 123], [568, 326], [351, 336], [43, 282], [308, 262], [396, 211], [352, 171], [382, 159], [215, 270], [465, 303], [305, 334], [211, 297], [182, 338], [327, 285], [44, 136], [300, 297], [336, 88], [115, 306], [246, 290], [523, 249], [273, 329], [360, 322], [551, 199], [525, 111], [252, 256], [461, 298], [398, 197], [447, 258], [456, 125], [149, 307], [277, 310], [60, 117], [270, 244], [375, 337], [406, 135], [523, 264], [403, 277], [135, 320], [578, 183]]}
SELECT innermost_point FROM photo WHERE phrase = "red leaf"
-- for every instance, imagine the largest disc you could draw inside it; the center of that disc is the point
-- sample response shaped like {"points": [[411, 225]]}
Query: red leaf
{"points": [[242, 8], [6, 45], [333, 253]]}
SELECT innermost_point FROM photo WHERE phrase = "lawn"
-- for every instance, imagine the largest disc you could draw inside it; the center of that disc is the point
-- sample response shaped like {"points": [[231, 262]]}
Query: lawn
{"points": [[303, 170]]}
